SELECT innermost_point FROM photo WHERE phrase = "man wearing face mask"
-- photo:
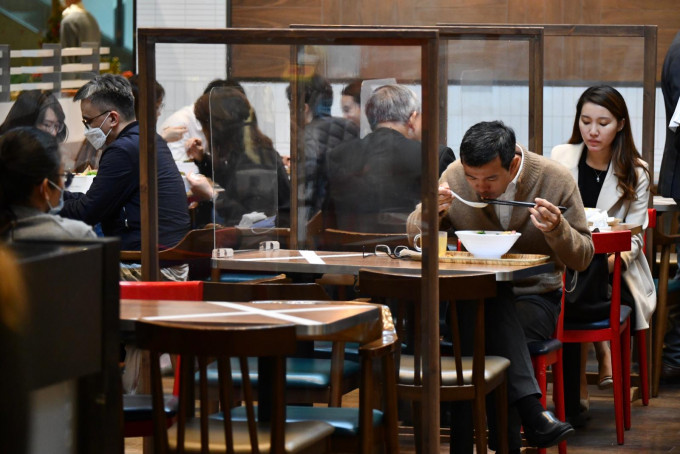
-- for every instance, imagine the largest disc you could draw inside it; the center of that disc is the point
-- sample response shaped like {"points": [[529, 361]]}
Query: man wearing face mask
{"points": [[374, 182], [107, 106]]}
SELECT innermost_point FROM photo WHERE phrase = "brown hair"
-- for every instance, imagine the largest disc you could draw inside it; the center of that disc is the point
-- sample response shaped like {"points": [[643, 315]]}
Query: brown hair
{"points": [[625, 155]]}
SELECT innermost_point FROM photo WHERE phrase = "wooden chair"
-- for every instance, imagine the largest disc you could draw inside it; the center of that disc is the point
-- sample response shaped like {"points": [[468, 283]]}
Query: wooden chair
{"points": [[343, 240], [195, 249], [549, 353], [196, 434], [137, 411], [668, 294], [463, 378], [309, 380], [615, 329]]}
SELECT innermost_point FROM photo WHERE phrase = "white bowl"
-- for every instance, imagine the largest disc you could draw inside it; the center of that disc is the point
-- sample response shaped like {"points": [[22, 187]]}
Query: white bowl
{"points": [[487, 244]]}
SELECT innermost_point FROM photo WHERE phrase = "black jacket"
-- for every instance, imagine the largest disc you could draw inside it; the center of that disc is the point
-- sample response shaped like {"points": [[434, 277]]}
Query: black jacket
{"points": [[374, 183], [113, 198], [669, 175]]}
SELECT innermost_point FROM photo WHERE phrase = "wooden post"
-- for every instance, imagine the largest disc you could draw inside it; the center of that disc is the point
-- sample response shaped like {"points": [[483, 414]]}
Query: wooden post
{"points": [[148, 162]]}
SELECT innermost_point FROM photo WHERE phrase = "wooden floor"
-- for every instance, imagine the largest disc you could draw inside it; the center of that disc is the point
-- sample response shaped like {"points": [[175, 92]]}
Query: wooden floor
{"points": [[655, 429]]}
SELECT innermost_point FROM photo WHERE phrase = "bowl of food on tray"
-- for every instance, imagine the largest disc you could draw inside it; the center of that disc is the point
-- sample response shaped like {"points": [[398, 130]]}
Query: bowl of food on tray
{"points": [[487, 244]]}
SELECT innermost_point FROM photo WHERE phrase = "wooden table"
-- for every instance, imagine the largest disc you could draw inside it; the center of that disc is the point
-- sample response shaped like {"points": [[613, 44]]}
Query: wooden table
{"points": [[664, 204], [322, 262], [314, 320]]}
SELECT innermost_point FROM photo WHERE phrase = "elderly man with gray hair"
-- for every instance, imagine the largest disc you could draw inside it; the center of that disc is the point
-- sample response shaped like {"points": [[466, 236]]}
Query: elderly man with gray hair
{"points": [[374, 182], [108, 112]]}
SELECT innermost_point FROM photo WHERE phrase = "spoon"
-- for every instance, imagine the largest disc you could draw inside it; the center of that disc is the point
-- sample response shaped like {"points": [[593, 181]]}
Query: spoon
{"points": [[467, 202]]}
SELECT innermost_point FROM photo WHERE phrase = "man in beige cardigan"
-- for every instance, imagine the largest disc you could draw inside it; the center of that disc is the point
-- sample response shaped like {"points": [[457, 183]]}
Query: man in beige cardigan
{"points": [[492, 166]]}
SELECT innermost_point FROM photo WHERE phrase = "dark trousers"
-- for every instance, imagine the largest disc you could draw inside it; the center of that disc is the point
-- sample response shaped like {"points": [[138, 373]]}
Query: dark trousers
{"points": [[511, 322]]}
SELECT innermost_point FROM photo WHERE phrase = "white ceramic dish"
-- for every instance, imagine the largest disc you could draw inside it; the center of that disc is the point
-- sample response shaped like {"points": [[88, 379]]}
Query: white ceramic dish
{"points": [[487, 244]]}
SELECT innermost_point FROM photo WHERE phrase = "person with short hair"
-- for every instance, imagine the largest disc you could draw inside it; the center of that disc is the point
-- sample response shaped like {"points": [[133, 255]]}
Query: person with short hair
{"points": [[108, 111], [323, 132], [493, 166], [351, 102], [374, 182]]}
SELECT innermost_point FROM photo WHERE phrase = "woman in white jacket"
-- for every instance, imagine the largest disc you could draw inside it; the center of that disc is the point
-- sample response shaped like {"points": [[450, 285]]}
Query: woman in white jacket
{"points": [[603, 159]]}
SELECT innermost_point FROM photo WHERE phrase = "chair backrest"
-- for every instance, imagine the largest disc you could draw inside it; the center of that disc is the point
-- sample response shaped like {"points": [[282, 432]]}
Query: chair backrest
{"points": [[196, 244], [222, 342], [166, 290], [344, 240], [463, 289], [243, 292]]}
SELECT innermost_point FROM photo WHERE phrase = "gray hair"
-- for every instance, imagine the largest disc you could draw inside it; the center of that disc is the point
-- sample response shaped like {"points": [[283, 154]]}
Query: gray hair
{"points": [[109, 92], [391, 103]]}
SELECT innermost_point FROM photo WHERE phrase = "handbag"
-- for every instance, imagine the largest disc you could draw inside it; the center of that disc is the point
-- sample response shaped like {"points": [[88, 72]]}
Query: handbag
{"points": [[590, 286]]}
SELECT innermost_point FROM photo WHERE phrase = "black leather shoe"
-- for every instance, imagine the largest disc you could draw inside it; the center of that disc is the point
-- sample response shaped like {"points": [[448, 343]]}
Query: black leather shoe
{"points": [[547, 431], [670, 373]]}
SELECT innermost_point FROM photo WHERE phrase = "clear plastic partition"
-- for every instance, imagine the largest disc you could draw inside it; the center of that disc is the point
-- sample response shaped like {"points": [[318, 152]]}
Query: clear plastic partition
{"points": [[251, 190], [356, 182], [575, 62], [488, 79]]}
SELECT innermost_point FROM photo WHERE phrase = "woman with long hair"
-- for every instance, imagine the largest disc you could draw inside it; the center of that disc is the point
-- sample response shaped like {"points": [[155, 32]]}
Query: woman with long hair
{"points": [[40, 109], [612, 177], [32, 183], [242, 160]]}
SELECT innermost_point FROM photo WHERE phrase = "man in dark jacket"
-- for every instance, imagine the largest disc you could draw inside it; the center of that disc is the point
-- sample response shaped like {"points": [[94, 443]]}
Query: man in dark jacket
{"points": [[322, 133], [374, 182], [669, 186], [107, 107]]}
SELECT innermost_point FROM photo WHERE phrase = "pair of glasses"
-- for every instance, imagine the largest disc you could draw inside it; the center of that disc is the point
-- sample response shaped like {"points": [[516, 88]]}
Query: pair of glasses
{"points": [[385, 249], [54, 127], [87, 122]]}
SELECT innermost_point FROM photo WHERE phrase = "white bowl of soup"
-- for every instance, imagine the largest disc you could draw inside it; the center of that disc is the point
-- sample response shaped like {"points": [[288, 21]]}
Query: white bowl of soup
{"points": [[487, 244]]}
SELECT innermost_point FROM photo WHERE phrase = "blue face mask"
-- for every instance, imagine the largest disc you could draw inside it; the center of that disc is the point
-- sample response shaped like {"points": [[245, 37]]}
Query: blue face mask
{"points": [[60, 205]]}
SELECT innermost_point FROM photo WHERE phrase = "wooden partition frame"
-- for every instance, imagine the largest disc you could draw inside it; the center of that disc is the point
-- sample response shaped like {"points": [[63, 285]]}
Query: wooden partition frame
{"points": [[532, 34], [649, 34], [427, 40]]}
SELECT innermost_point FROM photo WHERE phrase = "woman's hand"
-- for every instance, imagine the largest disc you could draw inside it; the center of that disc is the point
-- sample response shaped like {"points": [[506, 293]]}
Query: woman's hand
{"points": [[201, 187], [545, 216], [194, 148], [173, 133]]}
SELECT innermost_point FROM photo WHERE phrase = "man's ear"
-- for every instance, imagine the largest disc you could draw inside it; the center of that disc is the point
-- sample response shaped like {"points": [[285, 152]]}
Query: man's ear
{"points": [[114, 117], [514, 164]]}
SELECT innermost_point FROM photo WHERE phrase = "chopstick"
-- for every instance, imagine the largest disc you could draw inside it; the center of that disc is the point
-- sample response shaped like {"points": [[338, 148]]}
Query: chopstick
{"points": [[517, 203]]}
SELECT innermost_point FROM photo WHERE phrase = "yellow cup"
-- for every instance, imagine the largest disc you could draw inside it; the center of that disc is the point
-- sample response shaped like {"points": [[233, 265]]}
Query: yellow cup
{"points": [[443, 242]]}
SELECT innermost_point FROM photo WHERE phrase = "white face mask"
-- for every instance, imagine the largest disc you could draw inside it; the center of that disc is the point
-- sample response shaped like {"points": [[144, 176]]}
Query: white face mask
{"points": [[96, 136], [60, 205]]}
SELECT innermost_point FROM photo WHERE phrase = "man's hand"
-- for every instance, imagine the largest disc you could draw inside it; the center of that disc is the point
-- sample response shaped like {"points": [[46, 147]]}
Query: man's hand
{"points": [[444, 199], [545, 216], [194, 148]]}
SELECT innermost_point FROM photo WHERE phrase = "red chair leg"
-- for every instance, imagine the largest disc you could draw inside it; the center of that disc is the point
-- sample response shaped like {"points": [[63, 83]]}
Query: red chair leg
{"points": [[625, 359], [641, 340], [618, 387], [558, 395]]}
